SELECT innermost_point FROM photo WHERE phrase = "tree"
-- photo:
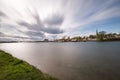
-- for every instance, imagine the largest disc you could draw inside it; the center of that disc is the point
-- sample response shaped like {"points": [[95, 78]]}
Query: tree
{"points": [[92, 36], [79, 38], [68, 39], [100, 35]]}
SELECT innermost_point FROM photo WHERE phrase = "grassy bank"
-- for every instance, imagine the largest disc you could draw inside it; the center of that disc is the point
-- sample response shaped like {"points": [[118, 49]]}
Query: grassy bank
{"points": [[12, 68]]}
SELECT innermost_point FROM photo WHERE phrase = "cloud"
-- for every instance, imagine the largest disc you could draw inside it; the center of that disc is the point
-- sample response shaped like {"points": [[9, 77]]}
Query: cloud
{"points": [[52, 24], [33, 34], [2, 34], [8, 37], [11, 32], [2, 14], [35, 18], [54, 19], [29, 36]]}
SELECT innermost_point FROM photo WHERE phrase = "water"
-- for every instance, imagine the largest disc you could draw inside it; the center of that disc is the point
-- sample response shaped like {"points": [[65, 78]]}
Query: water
{"points": [[72, 60]]}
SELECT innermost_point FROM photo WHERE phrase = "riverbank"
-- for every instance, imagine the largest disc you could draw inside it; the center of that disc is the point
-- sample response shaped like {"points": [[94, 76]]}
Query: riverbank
{"points": [[12, 68]]}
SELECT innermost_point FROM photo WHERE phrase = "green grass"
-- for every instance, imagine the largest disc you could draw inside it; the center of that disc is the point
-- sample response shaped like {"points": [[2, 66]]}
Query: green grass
{"points": [[12, 68]]}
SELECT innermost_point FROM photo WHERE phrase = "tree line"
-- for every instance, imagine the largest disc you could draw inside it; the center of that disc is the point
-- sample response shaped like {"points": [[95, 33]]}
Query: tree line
{"points": [[99, 36]]}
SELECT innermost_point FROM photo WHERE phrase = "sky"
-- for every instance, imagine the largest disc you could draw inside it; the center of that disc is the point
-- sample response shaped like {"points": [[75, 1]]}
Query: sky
{"points": [[53, 19]]}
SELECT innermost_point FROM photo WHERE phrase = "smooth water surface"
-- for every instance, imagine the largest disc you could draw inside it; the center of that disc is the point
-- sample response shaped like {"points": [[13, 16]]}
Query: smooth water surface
{"points": [[71, 60]]}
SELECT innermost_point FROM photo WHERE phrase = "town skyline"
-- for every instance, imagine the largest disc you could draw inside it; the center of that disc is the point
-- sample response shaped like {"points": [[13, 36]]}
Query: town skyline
{"points": [[98, 36]]}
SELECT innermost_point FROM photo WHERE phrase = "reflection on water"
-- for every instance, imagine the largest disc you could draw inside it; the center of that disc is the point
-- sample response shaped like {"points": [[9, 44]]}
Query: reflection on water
{"points": [[71, 61]]}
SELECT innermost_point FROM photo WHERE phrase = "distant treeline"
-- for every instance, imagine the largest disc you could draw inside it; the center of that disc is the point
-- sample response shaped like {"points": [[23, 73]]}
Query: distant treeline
{"points": [[99, 36]]}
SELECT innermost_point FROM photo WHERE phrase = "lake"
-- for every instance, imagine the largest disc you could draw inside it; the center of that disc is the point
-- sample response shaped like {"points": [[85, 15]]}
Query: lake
{"points": [[71, 60]]}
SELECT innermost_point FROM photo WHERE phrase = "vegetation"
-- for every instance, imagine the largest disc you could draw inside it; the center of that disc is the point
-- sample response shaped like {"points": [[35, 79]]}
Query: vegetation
{"points": [[14, 69], [104, 36], [100, 36]]}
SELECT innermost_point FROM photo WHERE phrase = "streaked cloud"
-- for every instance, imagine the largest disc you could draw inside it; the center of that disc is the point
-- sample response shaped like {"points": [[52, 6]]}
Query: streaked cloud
{"points": [[2, 14], [51, 25], [39, 19]]}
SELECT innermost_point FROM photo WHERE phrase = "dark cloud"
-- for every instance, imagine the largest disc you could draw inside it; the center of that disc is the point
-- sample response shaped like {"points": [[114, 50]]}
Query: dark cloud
{"points": [[21, 37], [14, 29], [53, 25], [53, 30], [55, 19], [11, 36], [24, 24], [2, 14], [2, 34], [33, 34], [34, 30]]}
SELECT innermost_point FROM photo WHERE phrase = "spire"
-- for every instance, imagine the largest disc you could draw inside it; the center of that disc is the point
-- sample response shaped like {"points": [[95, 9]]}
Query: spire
{"points": [[97, 34]]}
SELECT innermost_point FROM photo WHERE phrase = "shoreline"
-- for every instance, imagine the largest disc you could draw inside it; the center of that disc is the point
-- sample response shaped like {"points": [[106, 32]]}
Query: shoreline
{"points": [[12, 68], [57, 41]]}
